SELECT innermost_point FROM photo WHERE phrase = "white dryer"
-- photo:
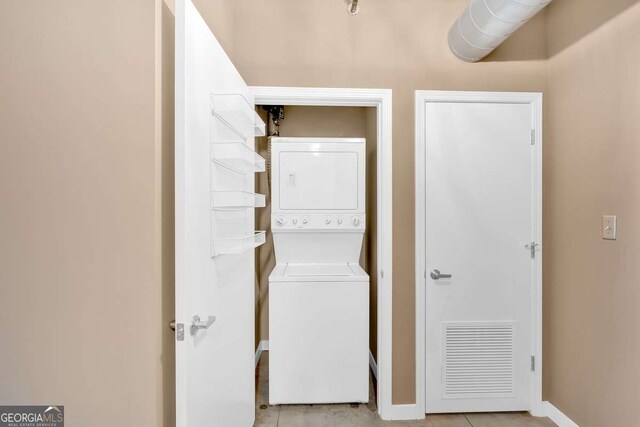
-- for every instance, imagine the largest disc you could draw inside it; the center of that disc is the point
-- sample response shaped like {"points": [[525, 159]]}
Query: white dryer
{"points": [[318, 293]]}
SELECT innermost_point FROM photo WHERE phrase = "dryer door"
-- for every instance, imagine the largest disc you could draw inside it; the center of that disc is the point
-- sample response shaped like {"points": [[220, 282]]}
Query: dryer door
{"points": [[322, 180]]}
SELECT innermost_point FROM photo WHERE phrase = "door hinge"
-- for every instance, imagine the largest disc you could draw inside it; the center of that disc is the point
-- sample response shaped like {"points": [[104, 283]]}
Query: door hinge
{"points": [[533, 363], [533, 137], [179, 331], [532, 247]]}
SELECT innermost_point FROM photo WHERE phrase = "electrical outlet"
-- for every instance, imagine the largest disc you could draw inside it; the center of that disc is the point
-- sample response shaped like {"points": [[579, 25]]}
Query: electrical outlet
{"points": [[609, 227]]}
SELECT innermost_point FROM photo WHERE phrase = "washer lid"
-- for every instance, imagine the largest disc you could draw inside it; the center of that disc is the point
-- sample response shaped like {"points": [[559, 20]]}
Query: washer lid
{"points": [[301, 246], [318, 272]]}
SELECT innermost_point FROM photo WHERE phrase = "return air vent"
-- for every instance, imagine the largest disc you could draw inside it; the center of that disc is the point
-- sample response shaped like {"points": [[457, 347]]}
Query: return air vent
{"points": [[478, 360]]}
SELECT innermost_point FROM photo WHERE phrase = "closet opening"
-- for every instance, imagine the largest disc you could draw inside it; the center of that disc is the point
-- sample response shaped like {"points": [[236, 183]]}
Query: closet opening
{"points": [[301, 127]]}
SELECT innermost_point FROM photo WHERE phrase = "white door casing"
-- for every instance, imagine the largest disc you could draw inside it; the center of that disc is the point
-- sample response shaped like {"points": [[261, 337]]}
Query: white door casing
{"points": [[477, 206], [214, 366], [381, 99]]}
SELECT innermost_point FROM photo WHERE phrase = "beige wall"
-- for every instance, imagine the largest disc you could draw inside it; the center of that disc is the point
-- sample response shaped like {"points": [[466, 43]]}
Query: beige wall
{"points": [[166, 200], [592, 168], [79, 295], [391, 44], [369, 257], [86, 225], [356, 122], [85, 181]]}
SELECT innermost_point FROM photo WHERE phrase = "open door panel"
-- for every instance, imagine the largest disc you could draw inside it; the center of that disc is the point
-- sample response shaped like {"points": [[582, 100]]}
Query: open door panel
{"points": [[214, 166]]}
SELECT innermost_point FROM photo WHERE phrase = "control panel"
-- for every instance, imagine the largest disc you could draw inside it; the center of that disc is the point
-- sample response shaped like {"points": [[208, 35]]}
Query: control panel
{"points": [[318, 221]]}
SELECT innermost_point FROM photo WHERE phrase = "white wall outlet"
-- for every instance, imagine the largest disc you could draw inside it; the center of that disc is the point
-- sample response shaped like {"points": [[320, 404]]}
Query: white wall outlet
{"points": [[609, 227]]}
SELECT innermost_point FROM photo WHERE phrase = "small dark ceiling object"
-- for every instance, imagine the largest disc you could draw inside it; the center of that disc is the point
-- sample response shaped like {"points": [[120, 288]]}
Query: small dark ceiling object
{"points": [[353, 8]]}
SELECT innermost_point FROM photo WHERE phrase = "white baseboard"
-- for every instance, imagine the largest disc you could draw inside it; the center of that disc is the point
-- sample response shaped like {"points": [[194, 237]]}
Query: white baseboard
{"points": [[557, 416], [262, 346], [373, 365]]}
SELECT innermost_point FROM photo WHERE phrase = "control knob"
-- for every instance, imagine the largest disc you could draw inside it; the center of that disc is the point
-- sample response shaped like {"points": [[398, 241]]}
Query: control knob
{"points": [[327, 221], [355, 221], [281, 220]]}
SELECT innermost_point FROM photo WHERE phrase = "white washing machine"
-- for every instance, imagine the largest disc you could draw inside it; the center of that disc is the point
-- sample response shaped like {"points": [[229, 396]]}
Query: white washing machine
{"points": [[318, 293]]}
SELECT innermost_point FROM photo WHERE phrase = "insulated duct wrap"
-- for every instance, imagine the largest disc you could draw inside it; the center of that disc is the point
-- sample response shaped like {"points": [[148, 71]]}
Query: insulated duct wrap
{"points": [[485, 24]]}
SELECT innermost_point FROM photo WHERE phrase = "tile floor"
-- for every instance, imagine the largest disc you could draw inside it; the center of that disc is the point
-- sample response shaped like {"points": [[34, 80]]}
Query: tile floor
{"points": [[361, 415]]}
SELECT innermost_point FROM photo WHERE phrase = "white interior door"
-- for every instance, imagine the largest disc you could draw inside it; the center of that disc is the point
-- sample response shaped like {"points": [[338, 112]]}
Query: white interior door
{"points": [[480, 212], [214, 166]]}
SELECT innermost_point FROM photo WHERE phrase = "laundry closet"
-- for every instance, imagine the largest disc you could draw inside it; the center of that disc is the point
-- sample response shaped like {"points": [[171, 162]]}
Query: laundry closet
{"points": [[315, 296]]}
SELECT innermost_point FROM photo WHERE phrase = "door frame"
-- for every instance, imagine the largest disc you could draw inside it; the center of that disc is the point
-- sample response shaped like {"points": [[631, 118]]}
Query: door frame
{"points": [[422, 97], [381, 100]]}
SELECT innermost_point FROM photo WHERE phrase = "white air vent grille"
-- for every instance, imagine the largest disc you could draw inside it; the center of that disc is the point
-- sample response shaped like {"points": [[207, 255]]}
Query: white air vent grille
{"points": [[478, 360]]}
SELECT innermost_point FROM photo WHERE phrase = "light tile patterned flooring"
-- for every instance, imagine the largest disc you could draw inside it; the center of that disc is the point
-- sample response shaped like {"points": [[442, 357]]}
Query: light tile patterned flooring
{"points": [[354, 415]]}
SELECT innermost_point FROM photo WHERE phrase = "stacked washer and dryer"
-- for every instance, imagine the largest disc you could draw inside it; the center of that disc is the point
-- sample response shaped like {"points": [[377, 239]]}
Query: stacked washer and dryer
{"points": [[318, 293]]}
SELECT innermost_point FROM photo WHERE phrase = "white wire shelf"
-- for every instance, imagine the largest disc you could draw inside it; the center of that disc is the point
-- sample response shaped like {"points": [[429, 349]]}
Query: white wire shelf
{"points": [[236, 115], [230, 246], [236, 200], [237, 156]]}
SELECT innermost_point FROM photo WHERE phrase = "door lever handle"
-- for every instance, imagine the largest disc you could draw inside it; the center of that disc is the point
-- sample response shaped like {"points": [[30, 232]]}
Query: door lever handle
{"points": [[435, 275], [197, 324]]}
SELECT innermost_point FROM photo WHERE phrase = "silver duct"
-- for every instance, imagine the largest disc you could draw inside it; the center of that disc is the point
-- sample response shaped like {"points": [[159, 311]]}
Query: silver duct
{"points": [[485, 24]]}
